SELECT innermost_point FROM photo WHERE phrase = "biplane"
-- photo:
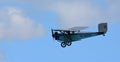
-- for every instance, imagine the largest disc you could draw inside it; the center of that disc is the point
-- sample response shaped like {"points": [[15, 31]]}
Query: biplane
{"points": [[66, 37]]}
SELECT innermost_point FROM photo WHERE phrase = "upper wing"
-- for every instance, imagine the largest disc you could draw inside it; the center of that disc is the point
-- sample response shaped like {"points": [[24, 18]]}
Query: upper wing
{"points": [[73, 29], [77, 28], [63, 30]]}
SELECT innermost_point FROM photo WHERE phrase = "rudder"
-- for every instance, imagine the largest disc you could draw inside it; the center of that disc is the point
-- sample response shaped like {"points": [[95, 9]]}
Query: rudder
{"points": [[102, 27]]}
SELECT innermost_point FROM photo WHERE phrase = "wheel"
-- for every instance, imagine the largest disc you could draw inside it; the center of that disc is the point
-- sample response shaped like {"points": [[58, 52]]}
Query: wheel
{"points": [[69, 43], [63, 44]]}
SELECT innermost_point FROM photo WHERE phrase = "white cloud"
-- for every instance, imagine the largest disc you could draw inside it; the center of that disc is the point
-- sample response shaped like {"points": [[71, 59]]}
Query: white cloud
{"points": [[79, 12], [15, 24], [84, 13]]}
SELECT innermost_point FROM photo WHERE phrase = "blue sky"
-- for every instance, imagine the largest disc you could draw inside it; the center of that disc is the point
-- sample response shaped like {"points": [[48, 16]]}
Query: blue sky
{"points": [[42, 48]]}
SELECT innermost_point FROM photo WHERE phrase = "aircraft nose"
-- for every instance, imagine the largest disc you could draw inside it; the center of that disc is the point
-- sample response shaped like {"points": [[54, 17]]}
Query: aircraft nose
{"points": [[56, 36]]}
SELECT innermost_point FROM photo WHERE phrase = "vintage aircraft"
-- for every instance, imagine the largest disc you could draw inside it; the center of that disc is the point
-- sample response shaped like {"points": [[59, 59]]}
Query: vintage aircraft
{"points": [[66, 37]]}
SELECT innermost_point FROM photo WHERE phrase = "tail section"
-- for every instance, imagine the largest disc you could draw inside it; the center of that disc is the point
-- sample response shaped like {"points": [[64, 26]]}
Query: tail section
{"points": [[102, 27]]}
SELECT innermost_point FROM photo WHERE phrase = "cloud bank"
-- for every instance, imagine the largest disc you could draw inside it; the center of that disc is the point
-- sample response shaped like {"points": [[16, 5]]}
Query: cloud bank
{"points": [[15, 24], [80, 12], [77, 14], [85, 13]]}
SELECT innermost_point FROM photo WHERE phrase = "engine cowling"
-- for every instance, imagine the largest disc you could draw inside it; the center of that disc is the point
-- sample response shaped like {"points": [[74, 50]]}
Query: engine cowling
{"points": [[56, 36]]}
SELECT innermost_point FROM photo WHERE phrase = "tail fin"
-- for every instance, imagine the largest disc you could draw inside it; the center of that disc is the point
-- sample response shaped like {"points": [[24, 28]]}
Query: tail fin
{"points": [[102, 27]]}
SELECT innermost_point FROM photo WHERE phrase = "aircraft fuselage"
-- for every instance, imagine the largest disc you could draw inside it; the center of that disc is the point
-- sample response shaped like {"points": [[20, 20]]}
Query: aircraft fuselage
{"points": [[76, 36]]}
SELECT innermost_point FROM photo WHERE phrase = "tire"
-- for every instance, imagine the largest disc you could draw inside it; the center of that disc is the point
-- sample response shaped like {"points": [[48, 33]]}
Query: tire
{"points": [[63, 44], [69, 43]]}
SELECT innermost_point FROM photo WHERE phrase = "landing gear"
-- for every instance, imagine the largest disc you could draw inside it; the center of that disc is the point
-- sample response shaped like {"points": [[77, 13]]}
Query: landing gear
{"points": [[69, 43], [63, 44]]}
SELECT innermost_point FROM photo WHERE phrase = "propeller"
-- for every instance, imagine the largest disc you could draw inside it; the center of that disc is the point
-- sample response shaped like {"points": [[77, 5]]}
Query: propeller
{"points": [[52, 33]]}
